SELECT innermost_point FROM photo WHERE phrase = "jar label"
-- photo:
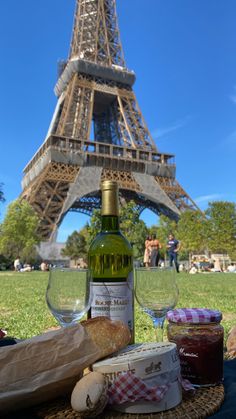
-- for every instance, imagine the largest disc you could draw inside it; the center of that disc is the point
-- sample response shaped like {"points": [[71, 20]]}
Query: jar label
{"points": [[202, 362], [114, 300]]}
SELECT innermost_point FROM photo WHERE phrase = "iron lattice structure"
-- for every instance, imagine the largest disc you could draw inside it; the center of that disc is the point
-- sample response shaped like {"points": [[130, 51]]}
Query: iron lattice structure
{"points": [[98, 132]]}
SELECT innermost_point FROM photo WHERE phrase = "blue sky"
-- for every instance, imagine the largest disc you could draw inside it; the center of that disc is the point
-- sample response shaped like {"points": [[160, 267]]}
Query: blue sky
{"points": [[184, 55]]}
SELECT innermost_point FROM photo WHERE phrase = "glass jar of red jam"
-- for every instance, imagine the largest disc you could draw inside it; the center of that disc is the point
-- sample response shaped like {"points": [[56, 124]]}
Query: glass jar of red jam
{"points": [[199, 337]]}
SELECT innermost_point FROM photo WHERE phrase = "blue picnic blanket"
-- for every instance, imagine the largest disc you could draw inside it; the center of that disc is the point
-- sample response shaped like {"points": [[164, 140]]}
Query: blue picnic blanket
{"points": [[228, 409]]}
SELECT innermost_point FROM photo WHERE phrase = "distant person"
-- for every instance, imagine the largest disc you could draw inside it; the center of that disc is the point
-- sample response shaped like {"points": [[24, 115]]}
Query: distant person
{"points": [[231, 268], [17, 264], [173, 246], [217, 267], [193, 269], [147, 252], [154, 255], [26, 268], [44, 266], [181, 267]]}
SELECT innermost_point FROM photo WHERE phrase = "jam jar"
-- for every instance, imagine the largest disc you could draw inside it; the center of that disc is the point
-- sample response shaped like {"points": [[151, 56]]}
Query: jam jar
{"points": [[199, 337]]}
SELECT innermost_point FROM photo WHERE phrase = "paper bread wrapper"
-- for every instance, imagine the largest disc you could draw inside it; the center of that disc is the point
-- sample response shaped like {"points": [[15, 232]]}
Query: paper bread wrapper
{"points": [[44, 367], [155, 364], [48, 366]]}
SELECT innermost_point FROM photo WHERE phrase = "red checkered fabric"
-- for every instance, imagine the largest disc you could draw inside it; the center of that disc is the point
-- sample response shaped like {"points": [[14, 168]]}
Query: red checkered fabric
{"points": [[129, 388], [186, 385], [194, 315]]}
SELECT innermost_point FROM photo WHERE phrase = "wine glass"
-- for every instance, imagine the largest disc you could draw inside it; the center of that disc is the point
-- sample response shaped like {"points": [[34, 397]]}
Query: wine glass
{"points": [[156, 292], [68, 295]]}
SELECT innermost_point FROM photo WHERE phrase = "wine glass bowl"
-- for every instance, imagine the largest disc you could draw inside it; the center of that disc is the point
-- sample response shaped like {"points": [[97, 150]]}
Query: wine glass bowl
{"points": [[68, 294], [156, 292]]}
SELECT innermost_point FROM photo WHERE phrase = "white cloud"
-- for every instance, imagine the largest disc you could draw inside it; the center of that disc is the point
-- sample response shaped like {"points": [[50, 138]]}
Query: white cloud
{"points": [[229, 142], [231, 139], [163, 132], [233, 96], [207, 198]]}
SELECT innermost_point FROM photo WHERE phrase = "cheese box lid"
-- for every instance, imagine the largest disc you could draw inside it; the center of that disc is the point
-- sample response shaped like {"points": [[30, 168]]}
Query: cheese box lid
{"points": [[144, 360]]}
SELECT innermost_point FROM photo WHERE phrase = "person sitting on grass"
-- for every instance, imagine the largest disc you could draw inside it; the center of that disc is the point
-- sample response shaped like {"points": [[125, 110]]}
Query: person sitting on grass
{"points": [[193, 269], [26, 268], [217, 266], [231, 268], [44, 266]]}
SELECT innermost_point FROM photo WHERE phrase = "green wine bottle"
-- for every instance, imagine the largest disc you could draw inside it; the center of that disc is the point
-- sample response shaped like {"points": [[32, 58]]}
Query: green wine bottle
{"points": [[110, 260]]}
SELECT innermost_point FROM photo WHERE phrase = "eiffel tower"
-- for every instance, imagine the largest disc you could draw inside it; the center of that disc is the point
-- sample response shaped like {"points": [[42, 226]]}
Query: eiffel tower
{"points": [[98, 132]]}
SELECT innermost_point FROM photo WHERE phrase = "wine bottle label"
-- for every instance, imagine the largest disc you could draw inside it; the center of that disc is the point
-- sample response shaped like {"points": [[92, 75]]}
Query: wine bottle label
{"points": [[114, 300]]}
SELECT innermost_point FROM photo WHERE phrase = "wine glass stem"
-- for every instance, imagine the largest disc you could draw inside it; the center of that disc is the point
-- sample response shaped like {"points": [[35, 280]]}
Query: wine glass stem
{"points": [[159, 328]]}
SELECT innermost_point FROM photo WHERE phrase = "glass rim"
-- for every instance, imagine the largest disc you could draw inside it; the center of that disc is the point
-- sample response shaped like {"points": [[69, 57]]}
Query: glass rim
{"points": [[152, 268], [58, 268]]}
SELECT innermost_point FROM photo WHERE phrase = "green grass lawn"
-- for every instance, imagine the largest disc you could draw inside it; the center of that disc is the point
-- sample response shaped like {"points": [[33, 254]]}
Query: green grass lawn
{"points": [[24, 313]]}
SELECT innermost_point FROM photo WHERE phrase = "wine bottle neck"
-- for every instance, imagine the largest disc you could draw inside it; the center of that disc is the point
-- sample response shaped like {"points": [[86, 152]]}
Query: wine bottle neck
{"points": [[110, 223], [110, 206], [110, 200]]}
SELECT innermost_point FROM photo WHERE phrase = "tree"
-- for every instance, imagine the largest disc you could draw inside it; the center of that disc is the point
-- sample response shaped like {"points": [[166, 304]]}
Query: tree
{"points": [[134, 229], [222, 227], [192, 231], [75, 247], [94, 226], [19, 231], [85, 233], [2, 199]]}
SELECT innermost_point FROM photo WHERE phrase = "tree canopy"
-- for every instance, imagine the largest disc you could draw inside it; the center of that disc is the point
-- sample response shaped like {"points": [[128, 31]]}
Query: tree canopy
{"points": [[211, 231], [192, 231], [221, 230], [134, 229], [2, 198], [19, 231], [199, 232], [75, 247]]}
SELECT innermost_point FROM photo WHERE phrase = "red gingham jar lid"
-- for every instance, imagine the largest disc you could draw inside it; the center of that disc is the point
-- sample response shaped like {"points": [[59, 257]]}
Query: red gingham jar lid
{"points": [[194, 315]]}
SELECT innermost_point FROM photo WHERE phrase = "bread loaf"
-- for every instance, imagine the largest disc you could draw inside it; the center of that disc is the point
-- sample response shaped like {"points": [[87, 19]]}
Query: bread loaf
{"points": [[109, 335], [47, 366], [231, 343]]}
